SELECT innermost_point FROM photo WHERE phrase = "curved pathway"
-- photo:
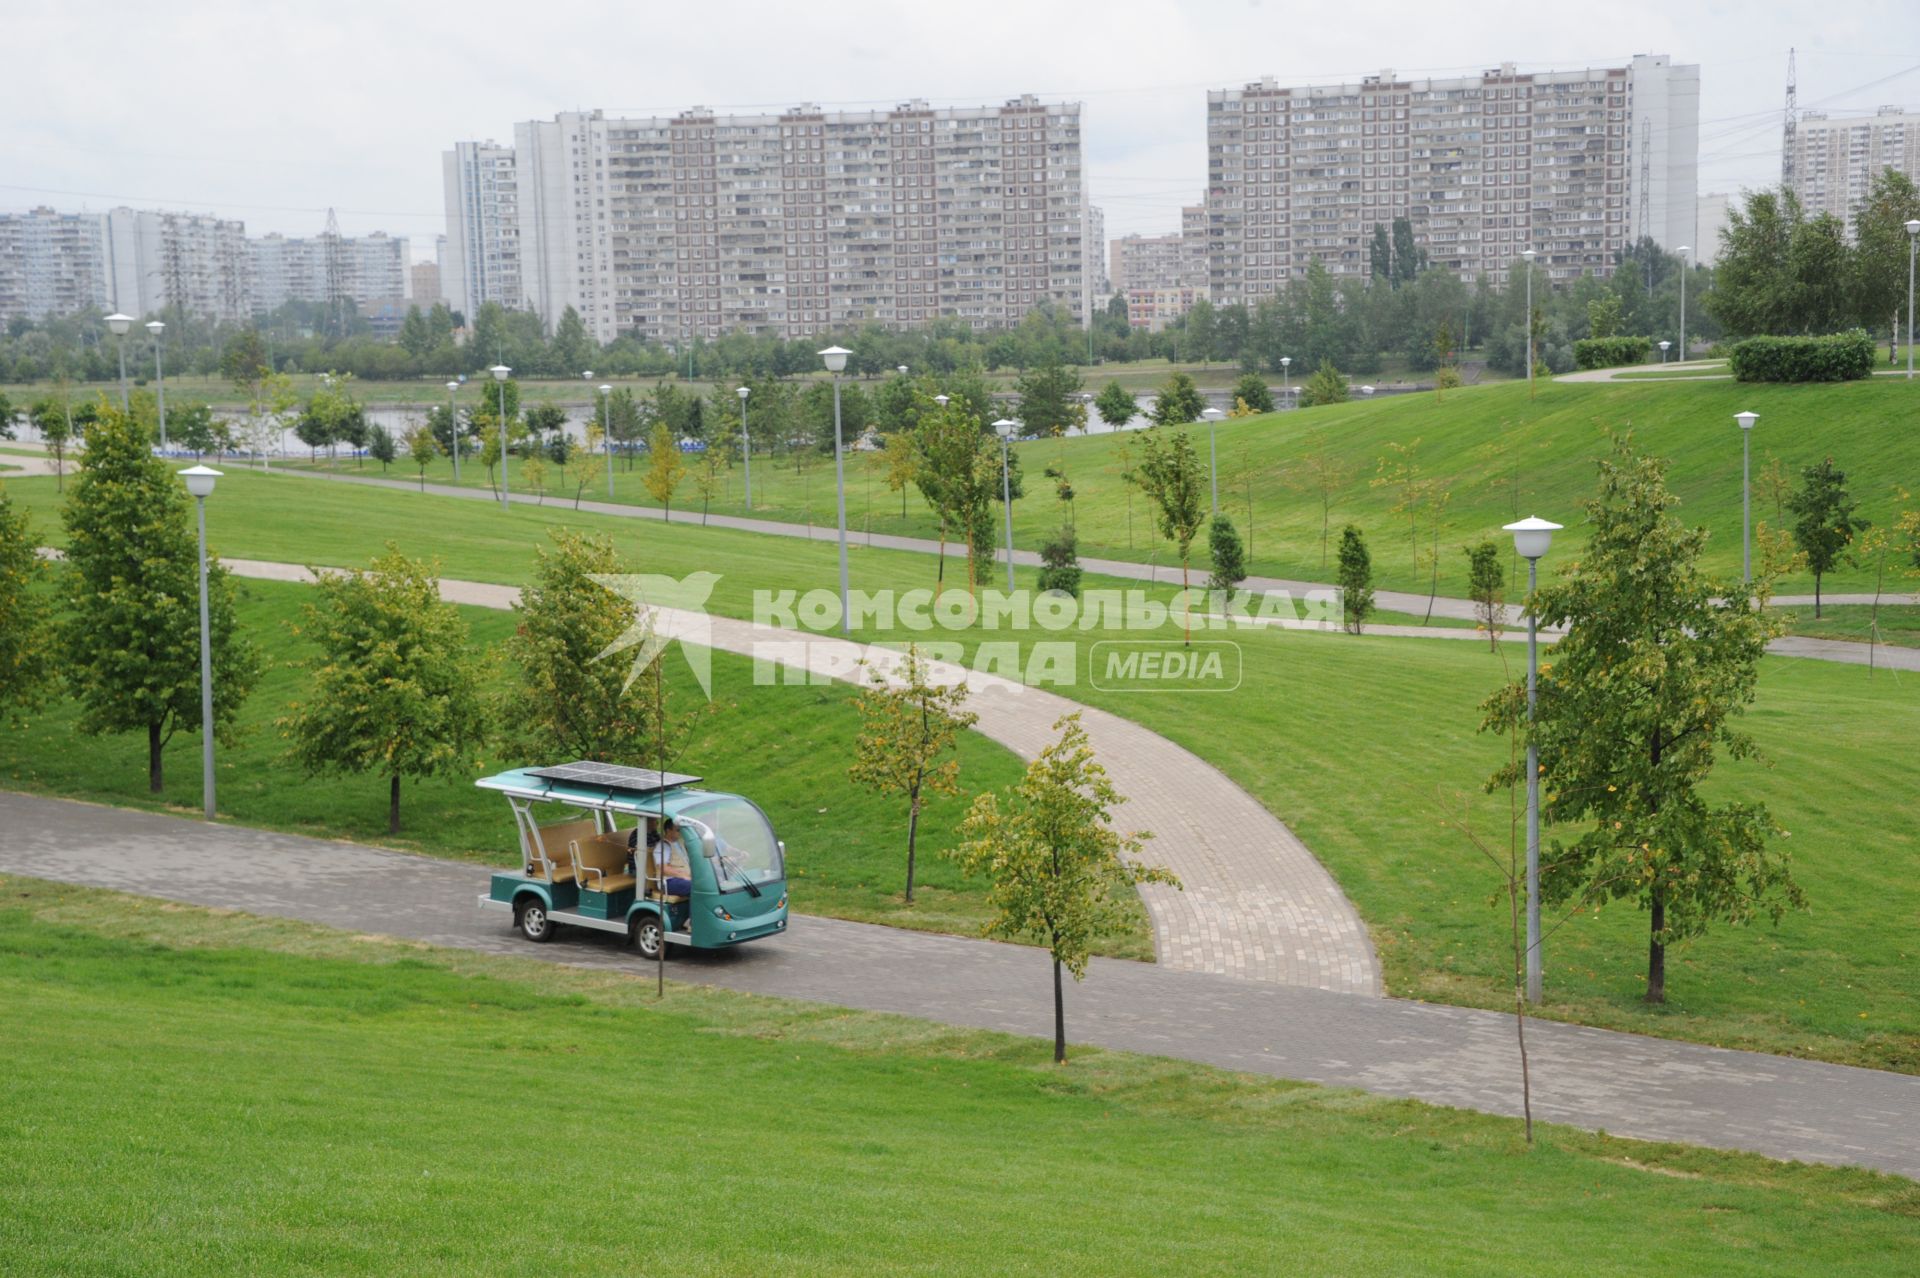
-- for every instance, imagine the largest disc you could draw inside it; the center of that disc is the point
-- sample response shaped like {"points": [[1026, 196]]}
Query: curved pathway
{"points": [[1255, 904], [1645, 1088]]}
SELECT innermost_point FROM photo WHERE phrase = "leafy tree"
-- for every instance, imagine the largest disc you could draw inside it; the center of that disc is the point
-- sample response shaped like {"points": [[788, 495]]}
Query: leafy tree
{"points": [[1879, 284], [665, 467], [395, 687], [244, 364], [131, 642], [1486, 586], [707, 471], [1060, 872], [382, 446], [544, 420], [53, 418], [950, 447], [1169, 474], [1048, 394], [1178, 403], [415, 338], [907, 745], [1326, 476], [1356, 579], [1252, 391], [1325, 386], [902, 461], [569, 699], [9, 416], [1201, 332], [1115, 405], [1060, 563], [28, 669], [1826, 524], [572, 348], [1640, 698], [1408, 261], [1228, 555], [422, 448], [1380, 257], [533, 473], [1603, 316]]}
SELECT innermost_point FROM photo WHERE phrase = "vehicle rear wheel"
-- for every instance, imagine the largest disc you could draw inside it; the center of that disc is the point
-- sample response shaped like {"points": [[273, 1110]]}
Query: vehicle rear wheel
{"points": [[534, 922], [647, 936]]}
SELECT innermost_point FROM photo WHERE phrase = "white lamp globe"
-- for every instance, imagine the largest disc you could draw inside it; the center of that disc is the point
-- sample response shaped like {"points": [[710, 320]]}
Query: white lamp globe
{"points": [[836, 358], [1532, 537], [200, 480], [119, 323], [500, 372]]}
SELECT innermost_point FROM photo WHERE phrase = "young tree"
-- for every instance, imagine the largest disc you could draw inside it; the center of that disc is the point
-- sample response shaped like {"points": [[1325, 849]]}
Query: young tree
{"points": [[395, 687], [1059, 869], [707, 471], [1178, 403], [1229, 557], [907, 745], [567, 699], [28, 671], [1325, 386], [422, 448], [1398, 471], [1326, 476], [1826, 524], [901, 460], [53, 418], [1115, 405], [382, 445], [131, 642], [1356, 579], [1486, 586], [1169, 474], [665, 467], [1640, 698], [1252, 391], [1048, 394], [1060, 563]]}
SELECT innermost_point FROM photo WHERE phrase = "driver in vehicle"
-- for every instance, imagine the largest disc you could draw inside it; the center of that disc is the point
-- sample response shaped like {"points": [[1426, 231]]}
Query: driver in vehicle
{"points": [[669, 858]]}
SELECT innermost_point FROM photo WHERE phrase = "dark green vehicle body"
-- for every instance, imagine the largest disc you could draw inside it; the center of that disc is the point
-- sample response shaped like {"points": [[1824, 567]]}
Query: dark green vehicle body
{"points": [[736, 867]]}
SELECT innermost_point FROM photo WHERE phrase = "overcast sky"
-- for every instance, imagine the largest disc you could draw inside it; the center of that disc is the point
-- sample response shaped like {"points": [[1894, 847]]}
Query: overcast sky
{"points": [[272, 112]]}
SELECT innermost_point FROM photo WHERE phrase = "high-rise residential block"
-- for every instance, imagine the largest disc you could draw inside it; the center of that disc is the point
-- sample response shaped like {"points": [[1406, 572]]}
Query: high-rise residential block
{"points": [[790, 223], [51, 264], [423, 285], [1573, 164], [195, 262], [1836, 158], [482, 262], [1099, 284], [367, 270]]}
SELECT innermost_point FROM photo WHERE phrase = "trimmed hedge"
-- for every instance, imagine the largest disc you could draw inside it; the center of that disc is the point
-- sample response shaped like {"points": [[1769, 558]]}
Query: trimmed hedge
{"points": [[1838, 357], [1611, 352]]}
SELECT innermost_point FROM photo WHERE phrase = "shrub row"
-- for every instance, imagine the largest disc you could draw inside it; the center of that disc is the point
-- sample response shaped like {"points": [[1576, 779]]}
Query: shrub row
{"points": [[1611, 352], [1838, 357]]}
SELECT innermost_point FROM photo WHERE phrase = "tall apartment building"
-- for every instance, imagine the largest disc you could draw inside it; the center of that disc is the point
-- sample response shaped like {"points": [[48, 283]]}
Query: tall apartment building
{"points": [[699, 224], [197, 262], [1709, 222], [1836, 159], [423, 285], [482, 261], [1574, 164], [1099, 284], [367, 269], [51, 264]]}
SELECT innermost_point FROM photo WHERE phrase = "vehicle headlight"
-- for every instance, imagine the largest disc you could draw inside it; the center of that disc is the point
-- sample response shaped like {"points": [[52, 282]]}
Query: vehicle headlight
{"points": [[720, 913]]}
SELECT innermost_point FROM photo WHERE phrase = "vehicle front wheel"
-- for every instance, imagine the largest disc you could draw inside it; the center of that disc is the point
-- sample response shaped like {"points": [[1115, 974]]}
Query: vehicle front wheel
{"points": [[535, 923], [647, 936]]}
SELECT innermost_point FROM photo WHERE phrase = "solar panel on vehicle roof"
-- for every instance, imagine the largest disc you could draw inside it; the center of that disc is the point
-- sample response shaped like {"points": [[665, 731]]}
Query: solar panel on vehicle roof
{"points": [[613, 776]]}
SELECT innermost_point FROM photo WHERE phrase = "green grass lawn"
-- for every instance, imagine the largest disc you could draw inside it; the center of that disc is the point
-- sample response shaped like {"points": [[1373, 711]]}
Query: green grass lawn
{"points": [[1490, 448], [226, 1094], [1362, 746], [785, 747]]}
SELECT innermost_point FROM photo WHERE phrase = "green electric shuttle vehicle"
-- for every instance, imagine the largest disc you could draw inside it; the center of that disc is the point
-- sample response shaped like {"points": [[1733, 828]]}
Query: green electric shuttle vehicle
{"points": [[588, 865]]}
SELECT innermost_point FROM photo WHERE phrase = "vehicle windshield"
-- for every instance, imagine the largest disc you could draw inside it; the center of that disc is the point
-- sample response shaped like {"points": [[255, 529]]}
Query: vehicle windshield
{"points": [[743, 848]]}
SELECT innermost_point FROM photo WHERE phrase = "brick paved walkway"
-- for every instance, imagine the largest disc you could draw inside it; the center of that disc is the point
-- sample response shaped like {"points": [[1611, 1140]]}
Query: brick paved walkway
{"points": [[1653, 1089], [1256, 903]]}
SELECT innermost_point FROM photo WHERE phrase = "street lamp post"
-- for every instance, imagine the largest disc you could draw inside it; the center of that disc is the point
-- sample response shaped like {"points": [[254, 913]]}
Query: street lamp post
{"points": [[606, 431], [1213, 415], [453, 429], [1746, 421], [1913, 235], [1683, 251], [1286, 383], [159, 379], [836, 360], [1663, 350], [1531, 539], [1528, 255], [200, 481], [119, 324], [1367, 391], [901, 369], [746, 444], [500, 372], [1005, 429]]}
